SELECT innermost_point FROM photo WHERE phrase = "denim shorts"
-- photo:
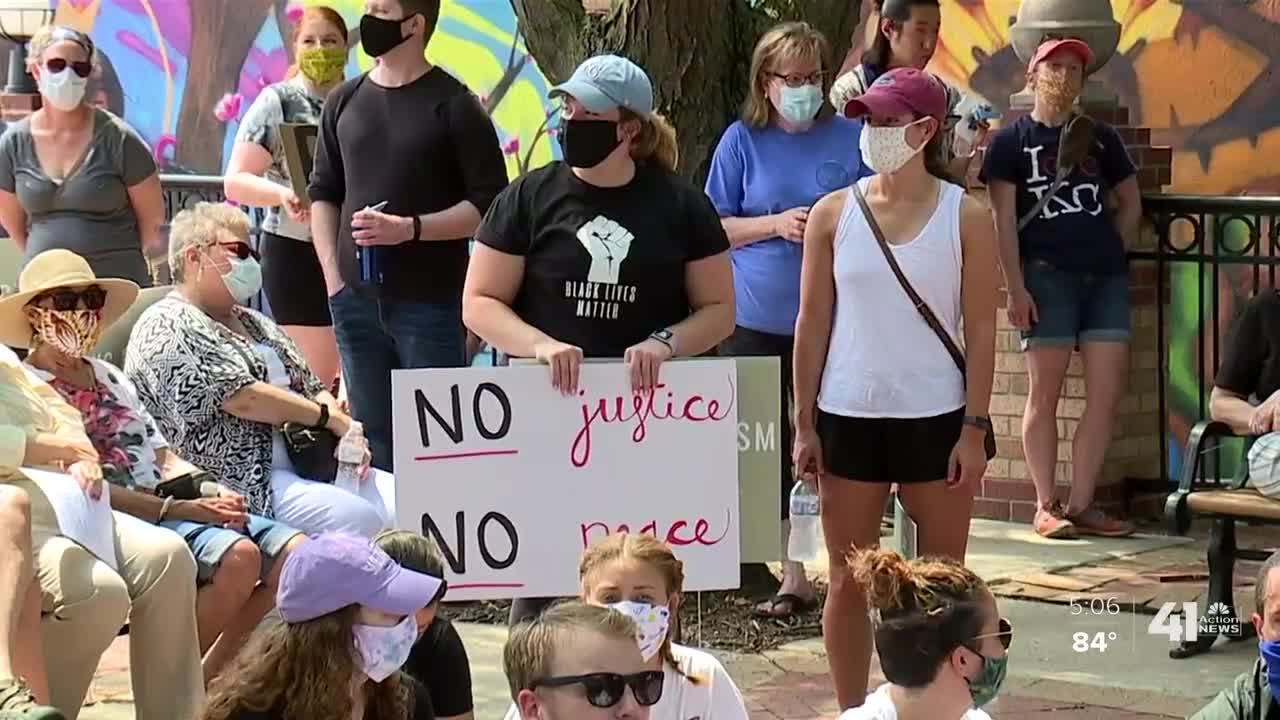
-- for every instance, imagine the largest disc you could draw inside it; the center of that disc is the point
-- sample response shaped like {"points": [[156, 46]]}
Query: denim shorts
{"points": [[209, 543], [1073, 308]]}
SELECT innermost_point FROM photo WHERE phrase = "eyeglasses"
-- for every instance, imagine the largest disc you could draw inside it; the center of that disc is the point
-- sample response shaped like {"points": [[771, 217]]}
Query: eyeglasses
{"points": [[92, 297], [1005, 634], [604, 690], [79, 67], [796, 80], [240, 249]]}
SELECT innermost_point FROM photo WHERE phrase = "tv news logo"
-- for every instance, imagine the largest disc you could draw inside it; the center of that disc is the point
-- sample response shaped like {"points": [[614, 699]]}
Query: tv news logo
{"points": [[1219, 620]]}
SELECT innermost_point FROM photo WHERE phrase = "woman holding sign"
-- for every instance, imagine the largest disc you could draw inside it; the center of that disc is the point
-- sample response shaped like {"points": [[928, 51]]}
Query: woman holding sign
{"points": [[899, 275], [257, 175]]}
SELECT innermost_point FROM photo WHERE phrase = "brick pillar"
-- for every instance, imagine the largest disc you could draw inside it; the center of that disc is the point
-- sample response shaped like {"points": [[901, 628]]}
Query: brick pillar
{"points": [[1007, 492]]}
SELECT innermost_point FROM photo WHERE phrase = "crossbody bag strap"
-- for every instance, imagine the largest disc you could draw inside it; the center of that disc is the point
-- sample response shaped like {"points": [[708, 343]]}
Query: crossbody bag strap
{"points": [[925, 311]]}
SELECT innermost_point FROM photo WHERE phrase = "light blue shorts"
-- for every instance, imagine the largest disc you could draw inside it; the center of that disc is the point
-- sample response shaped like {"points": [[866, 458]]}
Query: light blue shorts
{"points": [[209, 543]]}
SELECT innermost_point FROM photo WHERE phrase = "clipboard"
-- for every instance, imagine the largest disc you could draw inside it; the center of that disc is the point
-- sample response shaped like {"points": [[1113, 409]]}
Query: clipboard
{"points": [[299, 141]]}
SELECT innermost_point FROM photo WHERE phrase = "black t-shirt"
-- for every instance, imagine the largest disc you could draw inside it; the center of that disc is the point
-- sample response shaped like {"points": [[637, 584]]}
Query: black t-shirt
{"points": [[423, 147], [1074, 231], [1251, 364], [419, 706], [604, 267], [439, 661]]}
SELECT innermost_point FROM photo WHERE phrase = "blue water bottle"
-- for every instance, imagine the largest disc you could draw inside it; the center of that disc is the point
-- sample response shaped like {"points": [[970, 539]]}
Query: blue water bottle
{"points": [[370, 267]]}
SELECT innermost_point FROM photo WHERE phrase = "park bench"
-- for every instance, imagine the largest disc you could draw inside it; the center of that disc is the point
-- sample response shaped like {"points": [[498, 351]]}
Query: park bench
{"points": [[1203, 493]]}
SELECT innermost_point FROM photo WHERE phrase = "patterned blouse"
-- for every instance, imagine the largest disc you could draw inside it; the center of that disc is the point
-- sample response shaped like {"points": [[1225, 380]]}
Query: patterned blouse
{"points": [[186, 365], [283, 102]]}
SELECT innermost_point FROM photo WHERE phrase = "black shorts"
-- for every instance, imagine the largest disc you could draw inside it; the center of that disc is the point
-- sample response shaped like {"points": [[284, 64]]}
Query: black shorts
{"points": [[293, 282], [889, 450]]}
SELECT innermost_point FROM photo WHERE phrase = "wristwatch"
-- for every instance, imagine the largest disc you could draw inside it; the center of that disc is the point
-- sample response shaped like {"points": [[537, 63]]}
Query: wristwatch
{"points": [[323, 422], [979, 422], [666, 337]]}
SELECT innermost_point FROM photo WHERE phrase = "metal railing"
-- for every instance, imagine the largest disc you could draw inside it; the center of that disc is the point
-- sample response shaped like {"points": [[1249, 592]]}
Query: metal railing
{"points": [[1211, 256]]}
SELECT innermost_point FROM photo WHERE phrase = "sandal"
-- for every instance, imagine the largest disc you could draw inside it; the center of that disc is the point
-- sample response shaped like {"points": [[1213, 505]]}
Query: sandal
{"points": [[793, 604]]}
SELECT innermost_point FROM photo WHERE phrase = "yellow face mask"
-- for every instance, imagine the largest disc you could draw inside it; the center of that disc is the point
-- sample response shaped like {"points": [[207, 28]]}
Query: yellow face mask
{"points": [[322, 66]]}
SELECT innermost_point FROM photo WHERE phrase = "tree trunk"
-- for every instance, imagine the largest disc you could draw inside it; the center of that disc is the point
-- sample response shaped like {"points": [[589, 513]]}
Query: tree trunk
{"points": [[697, 52], [221, 35]]}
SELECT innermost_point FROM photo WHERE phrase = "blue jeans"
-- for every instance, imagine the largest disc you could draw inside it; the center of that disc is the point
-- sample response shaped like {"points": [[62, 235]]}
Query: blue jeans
{"points": [[378, 335], [209, 543], [1074, 308]]}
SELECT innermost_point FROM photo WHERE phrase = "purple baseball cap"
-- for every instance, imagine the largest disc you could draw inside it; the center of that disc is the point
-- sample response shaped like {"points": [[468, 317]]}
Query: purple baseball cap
{"points": [[335, 570], [899, 91]]}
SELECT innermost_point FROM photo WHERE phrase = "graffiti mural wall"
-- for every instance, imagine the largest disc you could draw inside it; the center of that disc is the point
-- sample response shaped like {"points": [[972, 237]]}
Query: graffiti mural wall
{"points": [[185, 70]]}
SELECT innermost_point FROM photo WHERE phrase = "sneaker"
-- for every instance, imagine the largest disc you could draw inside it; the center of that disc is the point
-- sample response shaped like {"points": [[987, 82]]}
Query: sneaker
{"points": [[1093, 521], [17, 703], [1051, 522]]}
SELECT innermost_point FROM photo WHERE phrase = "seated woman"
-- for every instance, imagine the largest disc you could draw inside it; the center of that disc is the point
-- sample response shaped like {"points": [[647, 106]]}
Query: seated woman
{"points": [[640, 577], [66, 309], [338, 593], [222, 380], [942, 643], [150, 581], [438, 659]]}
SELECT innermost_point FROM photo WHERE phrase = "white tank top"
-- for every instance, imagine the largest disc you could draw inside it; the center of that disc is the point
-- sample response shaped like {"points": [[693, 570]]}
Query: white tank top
{"points": [[883, 360]]}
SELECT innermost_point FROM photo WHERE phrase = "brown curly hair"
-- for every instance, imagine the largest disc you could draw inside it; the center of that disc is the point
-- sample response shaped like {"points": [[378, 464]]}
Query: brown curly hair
{"points": [[924, 609], [298, 671]]}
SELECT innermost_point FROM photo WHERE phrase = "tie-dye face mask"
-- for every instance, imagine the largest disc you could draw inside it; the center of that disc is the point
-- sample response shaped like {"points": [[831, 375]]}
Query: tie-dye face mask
{"points": [[71, 332]]}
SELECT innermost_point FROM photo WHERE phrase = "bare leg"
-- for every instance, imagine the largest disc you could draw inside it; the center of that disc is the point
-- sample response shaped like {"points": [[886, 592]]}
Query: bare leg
{"points": [[223, 599], [1046, 368], [942, 516], [1106, 366], [237, 630], [850, 518], [20, 651], [319, 346]]}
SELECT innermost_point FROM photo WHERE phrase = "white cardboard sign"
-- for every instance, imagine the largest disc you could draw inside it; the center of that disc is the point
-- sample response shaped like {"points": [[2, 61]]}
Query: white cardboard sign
{"points": [[514, 479]]}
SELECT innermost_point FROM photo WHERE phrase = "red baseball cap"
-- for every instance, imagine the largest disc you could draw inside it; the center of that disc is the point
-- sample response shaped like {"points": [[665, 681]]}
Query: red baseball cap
{"points": [[1078, 47], [901, 90]]}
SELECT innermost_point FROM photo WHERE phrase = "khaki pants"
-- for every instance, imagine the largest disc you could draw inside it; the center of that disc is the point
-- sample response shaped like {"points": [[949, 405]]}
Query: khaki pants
{"points": [[85, 603]]}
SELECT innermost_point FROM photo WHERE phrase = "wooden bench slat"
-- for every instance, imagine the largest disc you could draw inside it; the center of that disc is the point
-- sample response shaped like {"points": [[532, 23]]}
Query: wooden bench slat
{"points": [[1243, 503]]}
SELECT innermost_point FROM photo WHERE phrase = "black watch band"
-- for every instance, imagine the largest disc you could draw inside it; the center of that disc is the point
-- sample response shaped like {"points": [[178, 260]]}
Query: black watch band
{"points": [[417, 228], [323, 422], [978, 422]]}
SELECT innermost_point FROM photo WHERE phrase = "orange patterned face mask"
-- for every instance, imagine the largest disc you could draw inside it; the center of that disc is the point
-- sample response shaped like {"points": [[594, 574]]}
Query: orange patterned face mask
{"points": [[71, 332], [1056, 90]]}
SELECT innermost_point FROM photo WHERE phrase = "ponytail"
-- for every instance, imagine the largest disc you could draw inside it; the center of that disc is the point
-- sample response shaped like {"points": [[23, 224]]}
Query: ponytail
{"points": [[656, 142]]}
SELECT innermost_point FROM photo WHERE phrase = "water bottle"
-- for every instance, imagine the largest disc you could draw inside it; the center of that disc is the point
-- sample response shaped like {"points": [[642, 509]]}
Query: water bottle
{"points": [[350, 456], [370, 268], [802, 545]]}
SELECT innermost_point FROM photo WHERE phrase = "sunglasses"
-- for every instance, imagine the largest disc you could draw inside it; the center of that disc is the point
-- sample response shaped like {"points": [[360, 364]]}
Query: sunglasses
{"points": [[79, 67], [240, 249], [1005, 634], [90, 298], [604, 690]]}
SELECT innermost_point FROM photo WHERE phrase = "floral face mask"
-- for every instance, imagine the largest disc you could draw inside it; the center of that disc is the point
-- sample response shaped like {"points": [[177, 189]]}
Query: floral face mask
{"points": [[71, 332]]}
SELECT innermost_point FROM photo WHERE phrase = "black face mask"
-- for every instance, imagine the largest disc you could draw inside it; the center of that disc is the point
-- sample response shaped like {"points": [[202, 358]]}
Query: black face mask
{"points": [[379, 36], [586, 143]]}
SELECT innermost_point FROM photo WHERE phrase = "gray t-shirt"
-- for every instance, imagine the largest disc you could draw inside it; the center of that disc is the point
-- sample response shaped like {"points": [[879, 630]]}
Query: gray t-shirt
{"points": [[88, 212], [284, 102]]}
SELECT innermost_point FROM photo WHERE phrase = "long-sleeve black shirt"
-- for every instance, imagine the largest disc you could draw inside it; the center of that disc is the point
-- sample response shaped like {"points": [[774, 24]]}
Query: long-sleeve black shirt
{"points": [[422, 147]]}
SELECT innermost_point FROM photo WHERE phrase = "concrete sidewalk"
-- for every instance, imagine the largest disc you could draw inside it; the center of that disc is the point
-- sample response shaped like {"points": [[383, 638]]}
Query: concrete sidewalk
{"points": [[1132, 678]]}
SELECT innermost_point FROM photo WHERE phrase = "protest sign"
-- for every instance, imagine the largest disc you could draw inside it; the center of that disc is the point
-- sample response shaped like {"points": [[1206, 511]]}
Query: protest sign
{"points": [[514, 479], [760, 448]]}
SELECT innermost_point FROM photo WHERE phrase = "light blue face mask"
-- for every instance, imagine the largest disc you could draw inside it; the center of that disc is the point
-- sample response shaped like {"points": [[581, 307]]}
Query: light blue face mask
{"points": [[243, 279], [800, 104]]}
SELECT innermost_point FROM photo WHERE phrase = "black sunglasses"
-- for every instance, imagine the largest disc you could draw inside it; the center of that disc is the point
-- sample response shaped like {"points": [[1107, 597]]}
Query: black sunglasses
{"points": [[241, 249], [1004, 634], [79, 67], [92, 297], [604, 690]]}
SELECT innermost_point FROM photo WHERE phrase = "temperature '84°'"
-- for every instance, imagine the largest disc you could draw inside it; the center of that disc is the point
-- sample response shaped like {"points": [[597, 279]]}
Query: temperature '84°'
{"points": [[1084, 642]]}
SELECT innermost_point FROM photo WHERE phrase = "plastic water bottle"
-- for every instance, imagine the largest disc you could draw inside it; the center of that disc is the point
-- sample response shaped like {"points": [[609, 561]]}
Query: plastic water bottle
{"points": [[802, 545], [350, 456]]}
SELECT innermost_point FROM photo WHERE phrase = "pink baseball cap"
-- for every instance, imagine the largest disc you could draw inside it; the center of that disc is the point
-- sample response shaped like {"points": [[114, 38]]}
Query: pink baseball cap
{"points": [[901, 90], [1077, 47]]}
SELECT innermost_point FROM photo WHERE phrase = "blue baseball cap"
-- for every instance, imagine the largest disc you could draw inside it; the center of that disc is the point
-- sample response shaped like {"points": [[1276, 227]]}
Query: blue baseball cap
{"points": [[605, 82]]}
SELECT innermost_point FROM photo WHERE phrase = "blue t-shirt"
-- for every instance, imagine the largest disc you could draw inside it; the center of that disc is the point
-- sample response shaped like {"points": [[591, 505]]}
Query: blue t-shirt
{"points": [[1074, 231], [763, 171]]}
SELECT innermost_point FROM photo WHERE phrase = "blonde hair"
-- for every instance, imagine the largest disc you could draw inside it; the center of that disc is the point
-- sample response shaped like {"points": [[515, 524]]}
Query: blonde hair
{"points": [[199, 225], [44, 39], [641, 548], [532, 645], [657, 139], [782, 42]]}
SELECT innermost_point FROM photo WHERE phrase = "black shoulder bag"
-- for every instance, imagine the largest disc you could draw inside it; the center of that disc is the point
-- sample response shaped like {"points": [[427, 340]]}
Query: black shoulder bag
{"points": [[989, 440]]}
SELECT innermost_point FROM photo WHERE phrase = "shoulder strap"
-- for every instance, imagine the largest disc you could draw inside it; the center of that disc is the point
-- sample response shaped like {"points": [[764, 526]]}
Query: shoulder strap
{"points": [[921, 305]]}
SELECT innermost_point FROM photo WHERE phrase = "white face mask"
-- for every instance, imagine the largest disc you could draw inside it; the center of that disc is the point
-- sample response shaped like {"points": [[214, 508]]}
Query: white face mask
{"points": [[63, 90], [652, 623], [885, 149], [383, 650]]}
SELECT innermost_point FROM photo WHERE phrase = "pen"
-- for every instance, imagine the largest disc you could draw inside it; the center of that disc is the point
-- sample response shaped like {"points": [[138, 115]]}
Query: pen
{"points": [[378, 207]]}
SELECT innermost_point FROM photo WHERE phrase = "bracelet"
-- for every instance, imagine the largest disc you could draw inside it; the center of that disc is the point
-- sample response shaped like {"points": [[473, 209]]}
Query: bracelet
{"points": [[323, 422], [417, 228], [164, 509]]}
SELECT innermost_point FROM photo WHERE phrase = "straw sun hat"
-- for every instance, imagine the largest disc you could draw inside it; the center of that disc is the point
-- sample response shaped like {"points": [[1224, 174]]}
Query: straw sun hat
{"points": [[52, 270]]}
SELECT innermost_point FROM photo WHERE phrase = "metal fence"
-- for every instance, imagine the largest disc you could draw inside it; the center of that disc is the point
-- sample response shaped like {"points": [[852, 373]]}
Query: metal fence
{"points": [[1211, 256]]}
